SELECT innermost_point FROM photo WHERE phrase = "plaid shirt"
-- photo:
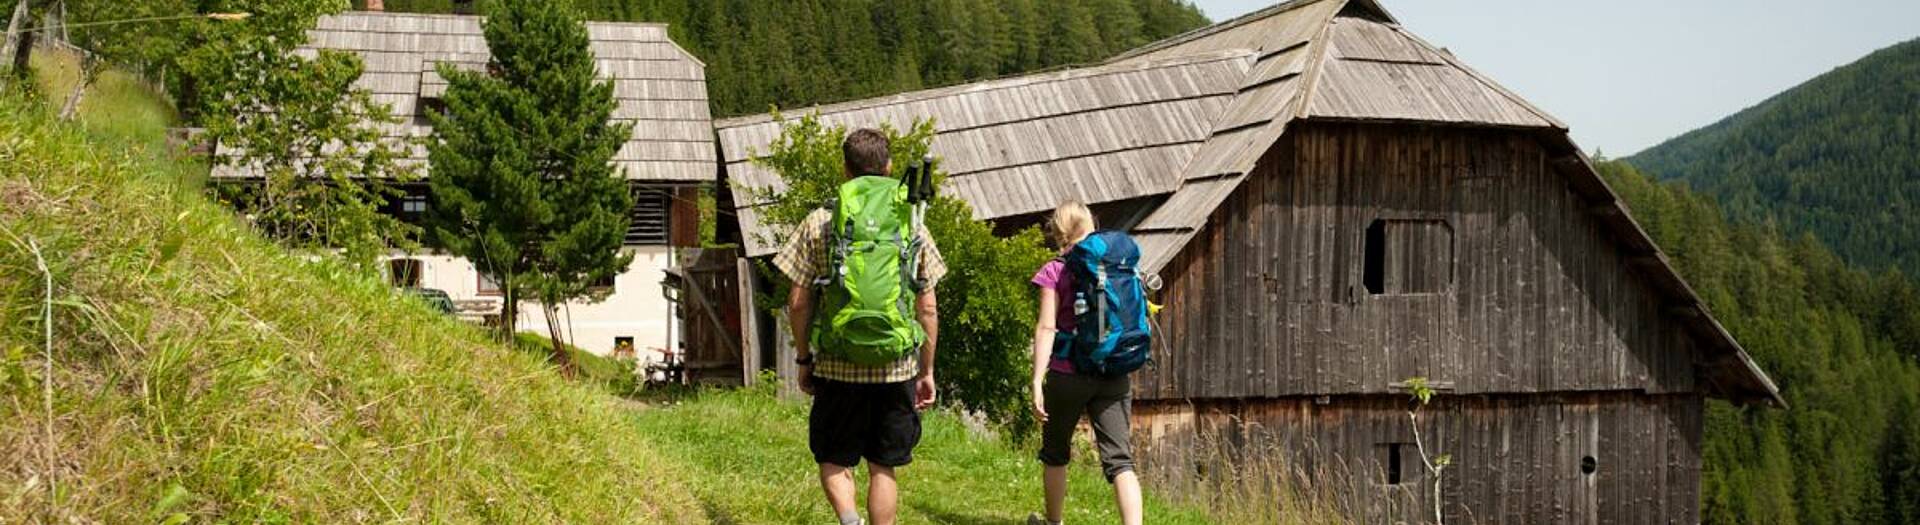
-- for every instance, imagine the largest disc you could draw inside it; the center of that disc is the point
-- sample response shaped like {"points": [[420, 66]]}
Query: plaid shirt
{"points": [[801, 260]]}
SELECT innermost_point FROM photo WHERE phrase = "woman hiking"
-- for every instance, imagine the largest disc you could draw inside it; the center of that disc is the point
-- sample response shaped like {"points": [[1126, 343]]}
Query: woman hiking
{"points": [[1060, 396]]}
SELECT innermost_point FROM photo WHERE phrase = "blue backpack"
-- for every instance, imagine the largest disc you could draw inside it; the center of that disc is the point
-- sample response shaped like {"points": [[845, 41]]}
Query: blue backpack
{"points": [[1111, 334]]}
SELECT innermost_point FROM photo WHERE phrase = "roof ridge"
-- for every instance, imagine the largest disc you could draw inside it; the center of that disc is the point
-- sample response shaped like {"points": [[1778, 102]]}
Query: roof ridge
{"points": [[1197, 33], [451, 16], [996, 84]]}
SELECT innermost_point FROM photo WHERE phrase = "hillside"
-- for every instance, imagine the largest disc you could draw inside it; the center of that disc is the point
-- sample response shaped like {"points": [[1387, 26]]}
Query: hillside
{"points": [[1837, 156], [200, 373], [1842, 344], [795, 54]]}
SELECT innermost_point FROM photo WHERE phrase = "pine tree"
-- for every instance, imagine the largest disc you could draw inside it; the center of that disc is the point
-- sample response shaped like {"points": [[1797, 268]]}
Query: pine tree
{"points": [[1072, 37], [1119, 25], [520, 164]]}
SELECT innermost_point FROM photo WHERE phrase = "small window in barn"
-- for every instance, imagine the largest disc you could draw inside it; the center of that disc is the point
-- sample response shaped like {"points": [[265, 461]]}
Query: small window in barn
{"points": [[1376, 261], [405, 273], [647, 222], [1588, 465], [1393, 463], [1407, 256]]}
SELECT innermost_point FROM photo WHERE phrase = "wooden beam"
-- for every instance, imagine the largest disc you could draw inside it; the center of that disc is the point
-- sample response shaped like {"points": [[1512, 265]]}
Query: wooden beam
{"points": [[1437, 386], [749, 324]]}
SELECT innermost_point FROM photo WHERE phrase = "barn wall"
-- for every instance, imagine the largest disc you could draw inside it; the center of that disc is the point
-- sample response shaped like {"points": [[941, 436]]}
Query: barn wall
{"points": [[1271, 299], [1516, 458]]}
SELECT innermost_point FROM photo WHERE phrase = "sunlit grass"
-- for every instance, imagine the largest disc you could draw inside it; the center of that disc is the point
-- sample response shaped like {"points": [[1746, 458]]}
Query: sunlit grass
{"points": [[748, 451], [202, 373]]}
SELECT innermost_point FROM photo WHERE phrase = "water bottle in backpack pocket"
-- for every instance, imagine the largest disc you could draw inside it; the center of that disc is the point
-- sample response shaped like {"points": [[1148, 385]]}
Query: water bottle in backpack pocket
{"points": [[1111, 334]]}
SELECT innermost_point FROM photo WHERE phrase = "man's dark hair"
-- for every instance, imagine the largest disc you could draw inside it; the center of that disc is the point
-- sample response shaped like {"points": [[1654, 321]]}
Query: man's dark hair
{"points": [[866, 152]]}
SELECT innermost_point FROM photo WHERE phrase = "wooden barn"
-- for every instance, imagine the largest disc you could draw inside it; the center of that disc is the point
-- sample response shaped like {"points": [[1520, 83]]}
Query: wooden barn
{"points": [[1335, 206]]}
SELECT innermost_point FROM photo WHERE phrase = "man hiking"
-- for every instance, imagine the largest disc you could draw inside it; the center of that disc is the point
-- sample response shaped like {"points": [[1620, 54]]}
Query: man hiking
{"points": [[864, 325]]}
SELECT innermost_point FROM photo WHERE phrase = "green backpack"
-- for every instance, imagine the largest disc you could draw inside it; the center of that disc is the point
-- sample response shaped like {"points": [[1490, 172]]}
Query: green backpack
{"points": [[871, 286]]}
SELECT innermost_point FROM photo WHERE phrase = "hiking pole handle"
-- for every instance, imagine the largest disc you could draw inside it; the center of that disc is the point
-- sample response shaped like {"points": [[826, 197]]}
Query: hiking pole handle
{"points": [[920, 189], [920, 180]]}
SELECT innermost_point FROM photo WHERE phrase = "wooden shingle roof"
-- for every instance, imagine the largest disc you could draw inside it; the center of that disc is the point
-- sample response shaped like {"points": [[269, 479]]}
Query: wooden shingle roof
{"points": [[1022, 145], [658, 86]]}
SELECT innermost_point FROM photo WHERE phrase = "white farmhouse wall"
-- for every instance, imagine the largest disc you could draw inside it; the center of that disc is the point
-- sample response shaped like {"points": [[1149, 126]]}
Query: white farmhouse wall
{"points": [[637, 308]]}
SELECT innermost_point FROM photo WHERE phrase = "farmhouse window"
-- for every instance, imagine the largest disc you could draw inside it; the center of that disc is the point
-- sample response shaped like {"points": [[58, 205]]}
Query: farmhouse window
{"points": [[648, 223], [602, 285], [1408, 256], [412, 206], [405, 273], [488, 286]]}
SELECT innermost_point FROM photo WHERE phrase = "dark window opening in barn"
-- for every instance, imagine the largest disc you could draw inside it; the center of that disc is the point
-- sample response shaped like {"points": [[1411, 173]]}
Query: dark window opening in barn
{"points": [[647, 222], [1588, 465], [1376, 259], [1407, 256], [405, 273], [1393, 463]]}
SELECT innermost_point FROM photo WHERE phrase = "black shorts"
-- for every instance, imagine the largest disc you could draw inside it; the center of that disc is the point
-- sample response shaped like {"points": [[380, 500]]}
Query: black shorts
{"points": [[854, 420]]}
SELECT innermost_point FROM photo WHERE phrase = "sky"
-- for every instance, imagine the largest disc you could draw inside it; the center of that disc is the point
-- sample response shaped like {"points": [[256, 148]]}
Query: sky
{"points": [[1628, 74]]}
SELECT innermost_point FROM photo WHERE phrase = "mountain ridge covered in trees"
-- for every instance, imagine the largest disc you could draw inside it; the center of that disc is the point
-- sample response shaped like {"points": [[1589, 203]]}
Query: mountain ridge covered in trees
{"points": [[1841, 342], [760, 54], [1837, 157]]}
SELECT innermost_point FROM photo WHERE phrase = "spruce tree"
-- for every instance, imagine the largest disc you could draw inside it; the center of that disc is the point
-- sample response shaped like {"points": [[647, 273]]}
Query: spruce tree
{"points": [[520, 164]]}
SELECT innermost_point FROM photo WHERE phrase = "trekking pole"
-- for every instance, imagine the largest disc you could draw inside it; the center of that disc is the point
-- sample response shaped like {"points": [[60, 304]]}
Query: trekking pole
{"points": [[920, 189]]}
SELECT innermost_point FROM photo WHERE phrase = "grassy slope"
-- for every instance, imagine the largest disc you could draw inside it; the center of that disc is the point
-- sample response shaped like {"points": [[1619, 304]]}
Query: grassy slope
{"points": [[200, 371], [755, 468]]}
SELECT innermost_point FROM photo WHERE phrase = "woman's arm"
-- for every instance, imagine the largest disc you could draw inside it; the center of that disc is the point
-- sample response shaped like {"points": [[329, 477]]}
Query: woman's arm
{"points": [[1043, 329]]}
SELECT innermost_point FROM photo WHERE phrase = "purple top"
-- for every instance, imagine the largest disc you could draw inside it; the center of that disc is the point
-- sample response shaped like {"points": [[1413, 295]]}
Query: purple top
{"points": [[1054, 275]]}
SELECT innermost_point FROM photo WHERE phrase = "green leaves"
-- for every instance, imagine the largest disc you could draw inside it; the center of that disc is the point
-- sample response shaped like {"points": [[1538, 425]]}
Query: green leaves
{"points": [[1419, 389], [326, 166], [175, 496]]}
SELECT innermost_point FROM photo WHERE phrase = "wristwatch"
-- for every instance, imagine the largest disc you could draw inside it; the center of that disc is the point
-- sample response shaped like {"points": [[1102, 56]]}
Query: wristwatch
{"points": [[805, 360]]}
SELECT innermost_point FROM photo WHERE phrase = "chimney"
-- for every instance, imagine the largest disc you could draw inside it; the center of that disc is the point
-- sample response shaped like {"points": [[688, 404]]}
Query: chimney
{"points": [[376, 5]]}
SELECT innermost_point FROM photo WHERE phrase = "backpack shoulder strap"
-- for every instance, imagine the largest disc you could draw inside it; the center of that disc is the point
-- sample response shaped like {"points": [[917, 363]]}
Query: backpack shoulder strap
{"points": [[832, 246]]}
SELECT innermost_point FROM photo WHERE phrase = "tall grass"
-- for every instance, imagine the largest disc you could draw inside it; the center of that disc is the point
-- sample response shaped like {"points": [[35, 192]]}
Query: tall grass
{"points": [[1251, 482], [200, 373]]}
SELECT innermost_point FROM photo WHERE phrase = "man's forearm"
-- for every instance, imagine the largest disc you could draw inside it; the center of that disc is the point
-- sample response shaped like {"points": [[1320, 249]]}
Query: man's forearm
{"points": [[800, 316], [929, 316]]}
